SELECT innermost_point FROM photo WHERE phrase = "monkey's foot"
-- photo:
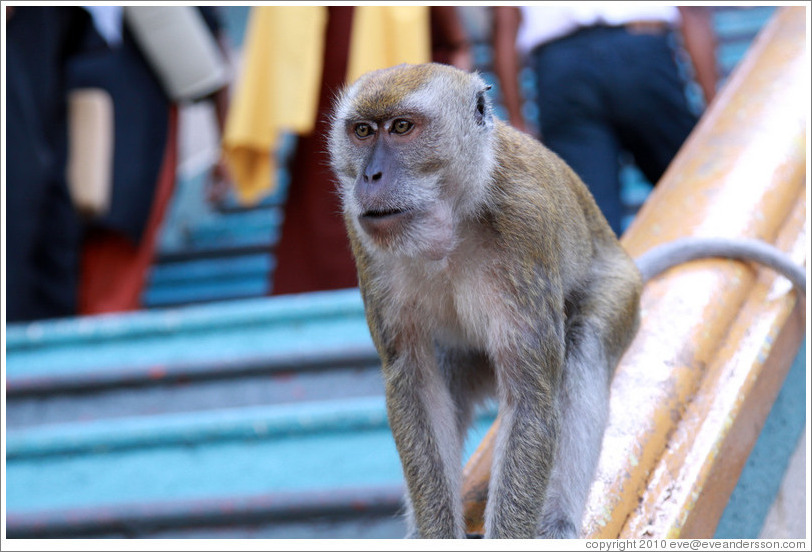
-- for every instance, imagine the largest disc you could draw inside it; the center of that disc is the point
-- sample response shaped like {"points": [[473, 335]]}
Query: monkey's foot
{"points": [[559, 529]]}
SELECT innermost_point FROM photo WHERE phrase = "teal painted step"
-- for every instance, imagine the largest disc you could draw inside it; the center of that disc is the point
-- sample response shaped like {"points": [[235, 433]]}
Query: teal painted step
{"points": [[736, 28], [283, 332], [208, 280], [195, 428], [206, 290], [731, 22], [235, 267], [364, 525], [180, 458], [210, 254], [212, 270], [257, 228], [102, 471], [365, 512], [236, 228], [224, 392], [193, 225], [764, 470]]}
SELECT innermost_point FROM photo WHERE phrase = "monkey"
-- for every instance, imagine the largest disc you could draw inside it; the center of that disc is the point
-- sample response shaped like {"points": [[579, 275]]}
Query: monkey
{"points": [[485, 267], [486, 270]]}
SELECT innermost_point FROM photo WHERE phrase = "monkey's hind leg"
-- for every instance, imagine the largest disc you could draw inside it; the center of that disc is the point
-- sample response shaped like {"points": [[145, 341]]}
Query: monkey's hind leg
{"points": [[584, 402], [599, 329]]}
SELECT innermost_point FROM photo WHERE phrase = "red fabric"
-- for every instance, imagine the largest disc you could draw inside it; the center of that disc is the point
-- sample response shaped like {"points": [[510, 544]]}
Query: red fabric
{"points": [[314, 252], [113, 269]]}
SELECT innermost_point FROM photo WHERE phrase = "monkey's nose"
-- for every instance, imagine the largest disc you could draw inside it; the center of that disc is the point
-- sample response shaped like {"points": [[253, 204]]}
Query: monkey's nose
{"points": [[374, 178]]}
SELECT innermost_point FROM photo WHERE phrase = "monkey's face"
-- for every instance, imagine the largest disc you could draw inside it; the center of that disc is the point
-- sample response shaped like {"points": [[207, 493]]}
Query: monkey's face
{"points": [[392, 190], [396, 148]]}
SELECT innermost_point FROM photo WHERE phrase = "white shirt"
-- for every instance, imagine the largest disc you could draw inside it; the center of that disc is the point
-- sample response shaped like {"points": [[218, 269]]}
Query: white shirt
{"points": [[108, 21], [541, 24]]}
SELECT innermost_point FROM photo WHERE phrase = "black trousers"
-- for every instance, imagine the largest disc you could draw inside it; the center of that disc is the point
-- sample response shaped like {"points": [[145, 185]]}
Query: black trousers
{"points": [[42, 229]]}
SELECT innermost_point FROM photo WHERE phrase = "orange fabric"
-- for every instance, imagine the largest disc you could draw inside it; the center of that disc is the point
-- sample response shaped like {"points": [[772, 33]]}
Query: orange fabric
{"points": [[114, 269]]}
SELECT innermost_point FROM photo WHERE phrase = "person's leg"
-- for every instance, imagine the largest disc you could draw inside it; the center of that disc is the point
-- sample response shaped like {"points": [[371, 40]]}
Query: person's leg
{"points": [[573, 119], [57, 256], [41, 226], [114, 268], [648, 100]]}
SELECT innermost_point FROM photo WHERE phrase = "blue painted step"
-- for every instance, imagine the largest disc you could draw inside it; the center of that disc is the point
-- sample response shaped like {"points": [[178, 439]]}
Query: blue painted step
{"points": [[735, 28], [247, 229], [196, 280], [279, 333], [193, 457], [178, 451], [170, 470], [176, 273], [209, 253], [732, 22], [177, 454], [236, 229], [207, 290], [74, 478]]}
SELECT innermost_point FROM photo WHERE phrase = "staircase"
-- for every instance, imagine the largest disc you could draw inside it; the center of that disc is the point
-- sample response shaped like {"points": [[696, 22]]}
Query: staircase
{"points": [[250, 417]]}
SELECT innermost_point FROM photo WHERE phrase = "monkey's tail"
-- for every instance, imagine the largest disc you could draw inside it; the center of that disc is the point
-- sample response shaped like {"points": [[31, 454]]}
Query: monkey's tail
{"points": [[682, 250]]}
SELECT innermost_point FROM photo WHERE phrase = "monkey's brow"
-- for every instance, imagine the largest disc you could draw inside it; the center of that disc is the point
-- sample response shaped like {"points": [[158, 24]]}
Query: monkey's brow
{"points": [[381, 102], [379, 114]]}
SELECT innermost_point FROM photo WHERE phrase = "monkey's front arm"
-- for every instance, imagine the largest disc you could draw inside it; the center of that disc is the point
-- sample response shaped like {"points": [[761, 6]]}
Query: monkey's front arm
{"points": [[528, 376], [423, 422]]}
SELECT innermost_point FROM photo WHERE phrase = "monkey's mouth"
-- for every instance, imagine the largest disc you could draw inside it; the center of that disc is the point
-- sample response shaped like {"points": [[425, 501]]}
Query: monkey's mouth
{"points": [[373, 214], [384, 223]]}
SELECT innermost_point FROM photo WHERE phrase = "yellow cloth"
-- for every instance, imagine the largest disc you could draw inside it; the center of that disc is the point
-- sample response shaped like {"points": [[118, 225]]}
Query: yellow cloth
{"points": [[279, 86], [278, 89], [386, 36]]}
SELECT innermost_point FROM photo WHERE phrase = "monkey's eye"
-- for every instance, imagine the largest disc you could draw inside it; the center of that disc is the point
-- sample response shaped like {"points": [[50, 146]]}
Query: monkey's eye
{"points": [[363, 130], [402, 126]]}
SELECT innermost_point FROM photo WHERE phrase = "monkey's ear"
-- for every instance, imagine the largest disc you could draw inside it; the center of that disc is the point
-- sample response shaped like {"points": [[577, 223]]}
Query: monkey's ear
{"points": [[483, 108]]}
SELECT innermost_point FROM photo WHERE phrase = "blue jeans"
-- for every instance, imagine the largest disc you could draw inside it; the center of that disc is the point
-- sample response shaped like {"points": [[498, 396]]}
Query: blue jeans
{"points": [[605, 90]]}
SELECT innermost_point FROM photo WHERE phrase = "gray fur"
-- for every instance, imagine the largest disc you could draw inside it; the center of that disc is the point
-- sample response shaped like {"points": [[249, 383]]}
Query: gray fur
{"points": [[665, 256]]}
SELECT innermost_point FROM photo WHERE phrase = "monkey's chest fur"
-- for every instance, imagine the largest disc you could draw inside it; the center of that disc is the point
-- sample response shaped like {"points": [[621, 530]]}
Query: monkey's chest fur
{"points": [[458, 302], [456, 308]]}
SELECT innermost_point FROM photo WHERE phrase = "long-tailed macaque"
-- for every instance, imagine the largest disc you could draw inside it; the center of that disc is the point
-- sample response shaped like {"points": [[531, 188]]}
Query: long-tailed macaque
{"points": [[485, 267]]}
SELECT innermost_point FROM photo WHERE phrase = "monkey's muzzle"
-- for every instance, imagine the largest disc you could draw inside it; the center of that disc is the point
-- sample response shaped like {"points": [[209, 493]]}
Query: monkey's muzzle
{"points": [[383, 223]]}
